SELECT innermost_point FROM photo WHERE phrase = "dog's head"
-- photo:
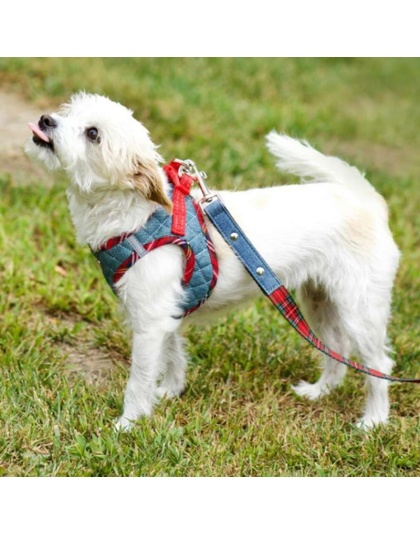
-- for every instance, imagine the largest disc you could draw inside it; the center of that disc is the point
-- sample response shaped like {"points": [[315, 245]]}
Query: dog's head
{"points": [[100, 146]]}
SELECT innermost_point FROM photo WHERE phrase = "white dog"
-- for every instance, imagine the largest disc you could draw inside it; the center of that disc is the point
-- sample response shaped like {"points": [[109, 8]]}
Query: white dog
{"points": [[327, 237]]}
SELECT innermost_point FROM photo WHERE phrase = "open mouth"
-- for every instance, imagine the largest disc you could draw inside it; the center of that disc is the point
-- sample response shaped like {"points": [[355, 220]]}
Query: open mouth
{"points": [[40, 138]]}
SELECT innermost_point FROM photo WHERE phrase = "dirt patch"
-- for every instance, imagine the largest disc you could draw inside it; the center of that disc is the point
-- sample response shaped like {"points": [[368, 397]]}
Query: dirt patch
{"points": [[15, 113], [91, 362]]}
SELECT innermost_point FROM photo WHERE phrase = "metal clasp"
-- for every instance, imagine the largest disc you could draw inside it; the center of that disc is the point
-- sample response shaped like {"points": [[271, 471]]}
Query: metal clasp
{"points": [[188, 166]]}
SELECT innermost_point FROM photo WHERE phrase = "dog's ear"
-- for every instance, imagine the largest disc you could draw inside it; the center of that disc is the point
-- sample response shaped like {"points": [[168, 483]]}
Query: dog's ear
{"points": [[148, 181]]}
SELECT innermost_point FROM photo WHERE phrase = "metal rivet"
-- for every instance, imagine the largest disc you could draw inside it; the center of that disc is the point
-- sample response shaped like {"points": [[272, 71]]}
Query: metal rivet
{"points": [[260, 271], [234, 236]]}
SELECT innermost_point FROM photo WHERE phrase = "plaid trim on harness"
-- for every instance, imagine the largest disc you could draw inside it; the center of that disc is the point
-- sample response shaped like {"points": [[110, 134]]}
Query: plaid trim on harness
{"points": [[120, 253]]}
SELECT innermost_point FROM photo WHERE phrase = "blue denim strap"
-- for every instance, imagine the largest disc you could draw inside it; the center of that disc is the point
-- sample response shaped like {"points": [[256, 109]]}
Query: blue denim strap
{"points": [[242, 246]]}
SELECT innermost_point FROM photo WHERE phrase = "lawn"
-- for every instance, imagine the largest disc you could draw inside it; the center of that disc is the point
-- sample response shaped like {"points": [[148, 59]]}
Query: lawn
{"points": [[64, 354]]}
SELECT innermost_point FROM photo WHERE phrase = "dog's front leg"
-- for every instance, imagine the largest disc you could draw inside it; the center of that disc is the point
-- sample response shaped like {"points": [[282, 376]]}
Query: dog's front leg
{"points": [[173, 375], [146, 366]]}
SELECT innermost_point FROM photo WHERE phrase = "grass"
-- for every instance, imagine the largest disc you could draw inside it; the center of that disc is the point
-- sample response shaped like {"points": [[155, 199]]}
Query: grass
{"points": [[238, 416]]}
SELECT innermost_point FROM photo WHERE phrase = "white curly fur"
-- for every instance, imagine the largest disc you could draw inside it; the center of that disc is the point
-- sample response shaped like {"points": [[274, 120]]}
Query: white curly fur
{"points": [[327, 237]]}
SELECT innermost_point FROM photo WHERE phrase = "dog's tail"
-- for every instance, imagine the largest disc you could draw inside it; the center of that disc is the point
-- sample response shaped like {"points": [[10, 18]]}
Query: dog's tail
{"points": [[299, 158]]}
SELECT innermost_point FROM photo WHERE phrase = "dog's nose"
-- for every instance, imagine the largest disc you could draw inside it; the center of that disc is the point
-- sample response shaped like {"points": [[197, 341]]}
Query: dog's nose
{"points": [[46, 121]]}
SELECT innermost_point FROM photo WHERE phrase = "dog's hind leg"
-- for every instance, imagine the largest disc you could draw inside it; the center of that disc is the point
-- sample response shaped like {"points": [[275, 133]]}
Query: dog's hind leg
{"points": [[368, 329], [323, 317], [368, 306], [377, 404], [173, 376]]}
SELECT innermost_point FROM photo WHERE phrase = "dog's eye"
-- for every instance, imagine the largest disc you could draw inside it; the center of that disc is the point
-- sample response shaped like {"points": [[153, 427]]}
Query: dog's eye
{"points": [[92, 134]]}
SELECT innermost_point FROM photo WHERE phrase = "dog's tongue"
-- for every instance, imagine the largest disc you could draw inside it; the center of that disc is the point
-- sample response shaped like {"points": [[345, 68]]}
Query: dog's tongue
{"points": [[38, 132]]}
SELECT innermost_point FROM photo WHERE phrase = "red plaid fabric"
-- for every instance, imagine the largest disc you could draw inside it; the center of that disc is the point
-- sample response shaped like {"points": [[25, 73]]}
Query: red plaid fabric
{"points": [[213, 259], [189, 257], [285, 304]]}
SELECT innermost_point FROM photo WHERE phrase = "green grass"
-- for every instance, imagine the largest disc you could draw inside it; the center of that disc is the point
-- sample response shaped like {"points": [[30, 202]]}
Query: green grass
{"points": [[238, 415]]}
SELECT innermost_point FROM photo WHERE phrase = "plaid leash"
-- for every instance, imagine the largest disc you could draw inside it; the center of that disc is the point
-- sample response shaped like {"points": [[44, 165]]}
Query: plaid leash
{"points": [[268, 282]]}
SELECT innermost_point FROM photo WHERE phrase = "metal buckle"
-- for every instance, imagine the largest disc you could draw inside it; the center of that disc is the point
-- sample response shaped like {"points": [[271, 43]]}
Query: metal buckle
{"points": [[189, 167]]}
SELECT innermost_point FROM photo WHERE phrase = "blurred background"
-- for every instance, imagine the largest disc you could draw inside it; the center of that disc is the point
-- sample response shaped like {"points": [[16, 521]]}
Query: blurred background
{"points": [[217, 110]]}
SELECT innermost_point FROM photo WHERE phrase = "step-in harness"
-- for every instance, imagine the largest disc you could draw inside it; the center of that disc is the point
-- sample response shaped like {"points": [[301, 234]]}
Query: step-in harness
{"points": [[185, 228], [182, 174]]}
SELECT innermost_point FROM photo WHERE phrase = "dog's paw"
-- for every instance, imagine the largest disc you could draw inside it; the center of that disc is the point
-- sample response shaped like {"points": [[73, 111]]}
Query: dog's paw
{"points": [[123, 424], [310, 391], [170, 390], [368, 423]]}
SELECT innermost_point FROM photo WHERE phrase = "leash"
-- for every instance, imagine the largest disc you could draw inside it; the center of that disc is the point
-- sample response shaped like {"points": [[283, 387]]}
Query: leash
{"points": [[213, 207]]}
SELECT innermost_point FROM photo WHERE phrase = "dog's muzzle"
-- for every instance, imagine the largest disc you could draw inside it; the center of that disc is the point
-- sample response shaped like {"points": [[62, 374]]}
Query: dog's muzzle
{"points": [[41, 131]]}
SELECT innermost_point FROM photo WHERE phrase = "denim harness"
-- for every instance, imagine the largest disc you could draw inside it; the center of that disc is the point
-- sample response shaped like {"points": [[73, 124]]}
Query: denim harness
{"points": [[118, 254]]}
